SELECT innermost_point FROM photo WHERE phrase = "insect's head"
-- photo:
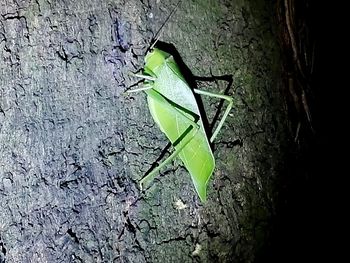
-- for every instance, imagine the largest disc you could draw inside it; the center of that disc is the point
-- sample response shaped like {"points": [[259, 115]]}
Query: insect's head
{"points": [[155, 58]]}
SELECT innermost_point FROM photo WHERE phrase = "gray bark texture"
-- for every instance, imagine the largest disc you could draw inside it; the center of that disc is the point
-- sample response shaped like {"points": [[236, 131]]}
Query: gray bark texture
{"points": [[73, 147]]}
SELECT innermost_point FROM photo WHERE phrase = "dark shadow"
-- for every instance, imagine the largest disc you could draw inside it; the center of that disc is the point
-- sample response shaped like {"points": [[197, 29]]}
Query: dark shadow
{"points": [[305, 225]]}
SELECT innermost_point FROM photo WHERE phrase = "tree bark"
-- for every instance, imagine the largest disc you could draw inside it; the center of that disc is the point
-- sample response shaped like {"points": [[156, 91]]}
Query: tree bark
{"points": [[73, 147]]}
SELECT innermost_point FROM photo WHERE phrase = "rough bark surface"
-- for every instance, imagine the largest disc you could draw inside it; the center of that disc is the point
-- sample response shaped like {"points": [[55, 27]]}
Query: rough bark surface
{"points": [[73, 147]]}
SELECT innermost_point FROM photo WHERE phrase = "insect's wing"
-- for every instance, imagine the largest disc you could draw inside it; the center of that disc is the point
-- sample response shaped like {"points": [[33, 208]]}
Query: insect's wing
{"points": [[199, 161], [196, 155], [170, 62]]}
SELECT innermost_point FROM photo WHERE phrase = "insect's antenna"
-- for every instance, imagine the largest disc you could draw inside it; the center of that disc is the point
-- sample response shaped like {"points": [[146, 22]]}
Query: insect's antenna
{"points": [[155, 42], [158, 33]]}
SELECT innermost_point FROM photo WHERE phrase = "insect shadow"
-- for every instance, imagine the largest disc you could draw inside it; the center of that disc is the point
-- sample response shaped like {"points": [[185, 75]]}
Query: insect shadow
{"points": [[192, 82]]}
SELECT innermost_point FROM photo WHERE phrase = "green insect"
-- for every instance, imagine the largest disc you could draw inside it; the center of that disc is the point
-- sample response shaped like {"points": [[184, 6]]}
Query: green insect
{"points": [[174, 108]]}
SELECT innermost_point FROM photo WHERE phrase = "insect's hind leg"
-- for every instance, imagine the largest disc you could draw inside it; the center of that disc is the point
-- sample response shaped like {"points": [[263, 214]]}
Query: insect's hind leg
{"points": [[227, 111], [183, 140]]}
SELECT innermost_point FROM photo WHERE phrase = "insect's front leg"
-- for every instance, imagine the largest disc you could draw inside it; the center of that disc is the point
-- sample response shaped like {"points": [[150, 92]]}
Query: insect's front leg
{"points": [[143, 76], [148, 83], [145, 87]]}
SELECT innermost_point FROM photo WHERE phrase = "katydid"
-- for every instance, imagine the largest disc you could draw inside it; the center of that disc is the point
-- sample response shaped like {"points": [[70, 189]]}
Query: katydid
{"points": [[174, 108]]}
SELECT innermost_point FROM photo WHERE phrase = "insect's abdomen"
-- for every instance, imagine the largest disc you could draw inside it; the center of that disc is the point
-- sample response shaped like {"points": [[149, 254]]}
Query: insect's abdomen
{"points": [[196, 155]]}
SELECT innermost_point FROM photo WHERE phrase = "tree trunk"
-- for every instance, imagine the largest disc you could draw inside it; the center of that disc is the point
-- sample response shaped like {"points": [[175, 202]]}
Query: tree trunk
{"points": [[73, 147]]}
